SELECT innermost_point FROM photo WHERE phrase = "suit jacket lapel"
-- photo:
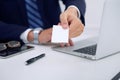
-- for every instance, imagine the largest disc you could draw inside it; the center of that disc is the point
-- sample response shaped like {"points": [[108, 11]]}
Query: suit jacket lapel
{"points": [[21, 4]]}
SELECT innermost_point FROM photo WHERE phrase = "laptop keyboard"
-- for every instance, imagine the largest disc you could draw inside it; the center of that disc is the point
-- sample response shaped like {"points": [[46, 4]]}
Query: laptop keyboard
{"points": [[91, 50]]}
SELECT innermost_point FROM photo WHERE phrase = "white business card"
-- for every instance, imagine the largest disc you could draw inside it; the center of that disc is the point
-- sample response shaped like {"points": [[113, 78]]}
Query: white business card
{"points": [[59, 35]]}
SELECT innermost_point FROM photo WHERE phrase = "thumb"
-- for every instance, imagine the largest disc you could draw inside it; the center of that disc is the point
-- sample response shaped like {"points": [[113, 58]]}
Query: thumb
{"points": [[64, 21]]}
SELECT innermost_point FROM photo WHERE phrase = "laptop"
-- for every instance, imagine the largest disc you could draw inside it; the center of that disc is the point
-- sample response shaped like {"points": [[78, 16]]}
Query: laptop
{"points": [[108, 41]]}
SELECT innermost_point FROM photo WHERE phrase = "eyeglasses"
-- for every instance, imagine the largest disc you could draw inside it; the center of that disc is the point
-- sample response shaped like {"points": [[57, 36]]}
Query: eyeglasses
{"points": [[10, 44]]}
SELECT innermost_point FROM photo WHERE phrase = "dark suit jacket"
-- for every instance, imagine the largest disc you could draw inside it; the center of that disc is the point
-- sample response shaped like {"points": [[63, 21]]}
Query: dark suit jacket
{"points": [[13, 17]]}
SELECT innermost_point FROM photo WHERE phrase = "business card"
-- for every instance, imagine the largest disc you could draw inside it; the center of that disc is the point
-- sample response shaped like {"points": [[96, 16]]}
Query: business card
{"points": [[59, 35]]}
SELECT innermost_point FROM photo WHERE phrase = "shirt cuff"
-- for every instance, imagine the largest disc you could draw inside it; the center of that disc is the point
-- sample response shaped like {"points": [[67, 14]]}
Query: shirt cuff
{"points": [[79, 14], [24, 35]]}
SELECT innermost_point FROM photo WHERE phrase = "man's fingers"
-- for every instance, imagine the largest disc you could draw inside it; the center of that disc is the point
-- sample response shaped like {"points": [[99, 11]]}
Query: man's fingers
{"points": [[70, 43], [62, 44], [63, 20]]}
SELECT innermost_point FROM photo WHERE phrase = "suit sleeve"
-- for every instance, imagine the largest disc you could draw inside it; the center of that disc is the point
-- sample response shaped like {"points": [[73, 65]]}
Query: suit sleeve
{"points": [[80, 4], [10, 32]]}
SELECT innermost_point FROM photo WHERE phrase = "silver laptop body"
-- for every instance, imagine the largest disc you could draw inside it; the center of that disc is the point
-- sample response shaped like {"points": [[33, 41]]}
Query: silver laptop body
{"points": [[108, 42]]}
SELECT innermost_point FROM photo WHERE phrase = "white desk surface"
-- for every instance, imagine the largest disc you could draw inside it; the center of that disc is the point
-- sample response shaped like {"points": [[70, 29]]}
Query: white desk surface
{"points": [[59, 66]]}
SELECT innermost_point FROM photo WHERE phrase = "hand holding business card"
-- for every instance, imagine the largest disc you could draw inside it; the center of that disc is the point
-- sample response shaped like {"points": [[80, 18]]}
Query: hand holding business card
{"points": [[60, 35]]}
